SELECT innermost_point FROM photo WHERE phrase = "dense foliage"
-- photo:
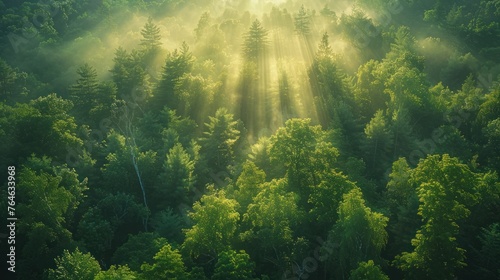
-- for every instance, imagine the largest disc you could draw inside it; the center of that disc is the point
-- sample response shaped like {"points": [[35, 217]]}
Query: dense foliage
{"points": [[173, 139]]}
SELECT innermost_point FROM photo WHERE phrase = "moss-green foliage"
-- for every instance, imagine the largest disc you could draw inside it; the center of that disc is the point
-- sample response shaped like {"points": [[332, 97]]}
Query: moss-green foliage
{"points": [[174, 139]]}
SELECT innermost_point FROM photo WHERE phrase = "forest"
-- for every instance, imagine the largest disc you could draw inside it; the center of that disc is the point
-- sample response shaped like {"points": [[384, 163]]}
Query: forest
{"points": [[250, 139]]}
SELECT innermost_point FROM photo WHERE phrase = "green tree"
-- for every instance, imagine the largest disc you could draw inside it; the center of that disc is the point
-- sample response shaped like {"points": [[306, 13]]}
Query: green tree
{"points": [[169, 224], [139, 249], [12, 83], [167, 264], [326, 197], [124, 157], [219, 140], [360, 233], [75, 265], [489, 253], [91, 99], [150, 36], [273, 215], [117, 273], [49, 196], [85, 90], [369, 89], [176, 180], [255, 42], [368, 271], [95, 232], [446, 189], [214, 219], [232, 265], [402, 200], [196, 94], [360, 31], [248, 184], [377, 144], [259, 154], [203, 25], [302, 20], [43, 127], [303, 150], [129, 75], [177, 63]]}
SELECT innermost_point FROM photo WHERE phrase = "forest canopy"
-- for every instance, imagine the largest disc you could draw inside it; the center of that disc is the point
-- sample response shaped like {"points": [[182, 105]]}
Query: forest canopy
{"points": [[250, 139]]}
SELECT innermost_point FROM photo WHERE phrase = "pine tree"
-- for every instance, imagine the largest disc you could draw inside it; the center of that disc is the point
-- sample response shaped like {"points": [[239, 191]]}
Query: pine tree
{"points": [[302, 21], [86, 88], [151, 35], [255, 41]]}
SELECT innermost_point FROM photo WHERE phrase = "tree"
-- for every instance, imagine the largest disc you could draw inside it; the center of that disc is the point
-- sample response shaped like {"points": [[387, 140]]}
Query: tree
{"points": [[129, 75], [324, 49], [214, 224], [273, 215], [117, 273], [125, 158], [330, 90], [75, 265], [44, 127], [489, 253], [95, 232], [203, 25], [302, 21], [255, 41], [169, 224], [360, 233], [176, 180], [232, 265], [139, 249], [196, 94], [402, 200], [167, 264], [360, 31], [48, 198], [90, 98], [177, 63], [326, 197], [377, 144], [85, 91], [150, 36], [219, 140], [303, 150], [369, 89], [259, 154], [12, 83], [248, 184], [368, 271], [446, 189]]}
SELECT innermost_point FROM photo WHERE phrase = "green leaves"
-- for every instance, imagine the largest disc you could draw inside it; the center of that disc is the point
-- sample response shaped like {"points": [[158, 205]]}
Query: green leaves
{"points": [[139, 249], [326, 197], [255, 41], [359, 231], [176, 180], [273, 215], [302, 20], [219, 140], [49, 194], [117, 273], [215, 218], [232, 265], [75, 265], [368, 271], [446, 189], [151, 35], [167, 264]]}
